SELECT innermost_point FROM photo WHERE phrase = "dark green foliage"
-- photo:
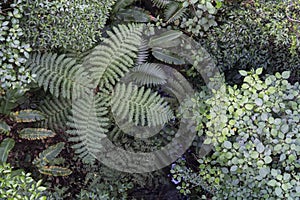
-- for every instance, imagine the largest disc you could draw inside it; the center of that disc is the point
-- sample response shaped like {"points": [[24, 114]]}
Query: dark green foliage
{"points": [[47, 157], [252, 36], [27, 116], [77, 23], [35, 133], [55, 170], [4, 128], [61, 75], [5, 147], [10, 100]]}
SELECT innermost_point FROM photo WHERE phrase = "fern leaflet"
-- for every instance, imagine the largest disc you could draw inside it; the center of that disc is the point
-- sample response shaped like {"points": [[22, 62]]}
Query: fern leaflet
{"points": [[161, 3], [148, 74], [56, 111], [88, 125], [112, 59], [59, 74], [139, 106]]}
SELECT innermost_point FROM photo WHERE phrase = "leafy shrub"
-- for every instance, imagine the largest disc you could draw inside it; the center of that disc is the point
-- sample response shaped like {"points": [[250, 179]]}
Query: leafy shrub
{"points": [[195, 16], [16, 184], [254, 35], [255, 133], [69, 24], [13, 51]]}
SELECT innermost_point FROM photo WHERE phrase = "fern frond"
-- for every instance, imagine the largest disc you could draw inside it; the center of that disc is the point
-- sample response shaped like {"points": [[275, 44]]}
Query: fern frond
{"points": [[59, 74], [88, 125], [143, 52], [54, 171], [35, 133], [112, 59], [4, 128], [161, 3], [174, 11], [148, 74], [56, 111], [139, 106], [27, 115]]}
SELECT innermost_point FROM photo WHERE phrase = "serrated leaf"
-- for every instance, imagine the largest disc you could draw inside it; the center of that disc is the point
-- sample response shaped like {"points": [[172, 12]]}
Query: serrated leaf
{"points": [[51, 152], [27, 115], [35, 133], [55, 171]]}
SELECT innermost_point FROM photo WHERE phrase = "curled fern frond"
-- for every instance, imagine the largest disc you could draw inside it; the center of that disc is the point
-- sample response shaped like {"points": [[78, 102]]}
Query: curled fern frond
{"points": [[174, 11], [148, 74], [161, 3], [88, 126], [27, 115], [35, 133], [59, 74], [139, 106], [56, 111], [113, 58]]}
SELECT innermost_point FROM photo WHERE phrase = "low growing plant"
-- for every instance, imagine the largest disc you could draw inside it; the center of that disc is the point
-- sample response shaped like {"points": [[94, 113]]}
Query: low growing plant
{"points": [[254, 130], [13, 50], [18, 185]]}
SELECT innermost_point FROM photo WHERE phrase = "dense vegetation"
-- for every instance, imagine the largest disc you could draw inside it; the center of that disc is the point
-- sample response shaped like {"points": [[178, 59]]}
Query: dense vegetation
{"points": [[149, 99]]}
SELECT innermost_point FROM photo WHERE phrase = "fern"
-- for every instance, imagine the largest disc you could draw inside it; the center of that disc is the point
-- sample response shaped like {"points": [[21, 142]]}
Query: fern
{"points": [[139, 106], [88, 124], [148, 74], [59, 74], [174, 11], [143, 52], [56, 111], [112, 59], [35, 133], [161, 3]]}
